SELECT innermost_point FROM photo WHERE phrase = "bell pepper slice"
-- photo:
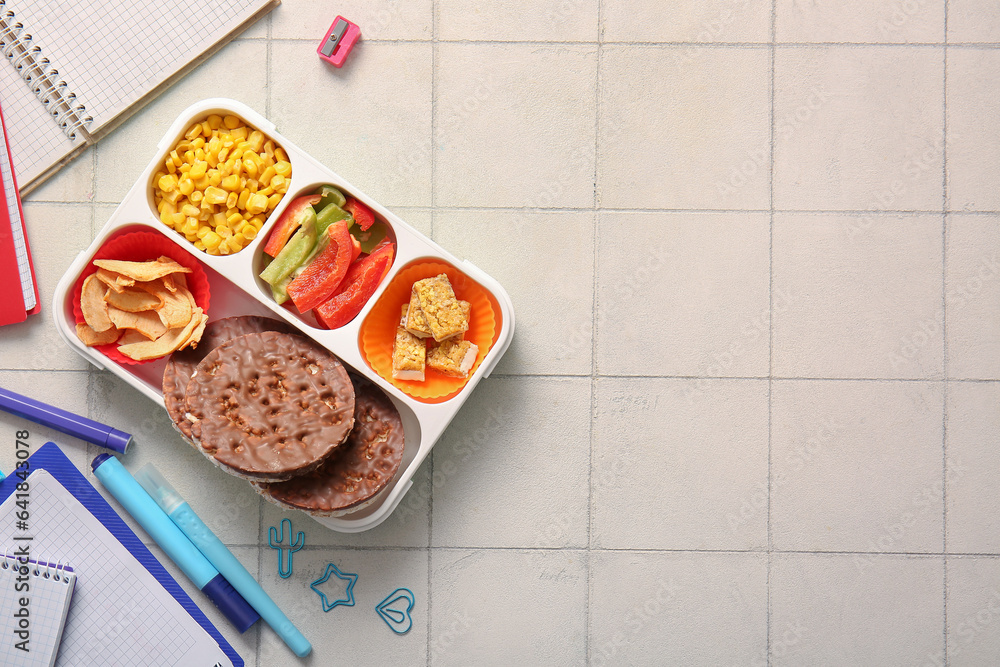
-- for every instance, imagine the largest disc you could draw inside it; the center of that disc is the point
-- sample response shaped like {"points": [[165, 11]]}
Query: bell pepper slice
{"points": [[277, 273], [328, 215], [355, 248], [346, 304], [321, 278], [362, 214], [290, 220], [330, 195]]}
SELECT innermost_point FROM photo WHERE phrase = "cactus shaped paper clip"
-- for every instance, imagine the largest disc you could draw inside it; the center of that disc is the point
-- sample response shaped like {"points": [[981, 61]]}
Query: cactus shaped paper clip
{"points": [[278, 542]]}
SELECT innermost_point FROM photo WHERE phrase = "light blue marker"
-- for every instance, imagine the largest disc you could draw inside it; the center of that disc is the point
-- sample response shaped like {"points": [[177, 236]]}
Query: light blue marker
{"points": [[116, 479], [221, 557]]}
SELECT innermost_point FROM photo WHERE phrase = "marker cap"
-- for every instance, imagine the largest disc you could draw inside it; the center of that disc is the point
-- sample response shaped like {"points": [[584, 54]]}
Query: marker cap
{"points": [[231, 603]]}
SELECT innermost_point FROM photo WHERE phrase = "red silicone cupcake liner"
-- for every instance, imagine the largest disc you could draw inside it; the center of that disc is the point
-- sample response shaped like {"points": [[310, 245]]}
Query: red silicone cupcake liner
{"points": [[142, 247]]}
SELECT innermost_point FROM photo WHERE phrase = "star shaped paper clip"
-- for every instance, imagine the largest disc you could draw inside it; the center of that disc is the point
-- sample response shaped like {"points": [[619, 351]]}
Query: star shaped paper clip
{"points": [[351, 579]]}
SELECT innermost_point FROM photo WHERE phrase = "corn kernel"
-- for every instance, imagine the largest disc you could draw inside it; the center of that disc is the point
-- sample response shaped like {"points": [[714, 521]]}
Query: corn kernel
{"points": [[278, 181], [283, 167], [214, 178], [196, 197], [266, 175], [257, 221], [257, 204], [234, 218], [232, 122], [249, 232], [167, 183], [231, 183], [273, 201], [231, 200], [242, 201], [178, 219], [214, 195], [211, 240], [250, 167], [201, 182], [185, 186], [224, 231], [280, 155], [189, 209], [240, 133], [269, 147], [193, 131]]}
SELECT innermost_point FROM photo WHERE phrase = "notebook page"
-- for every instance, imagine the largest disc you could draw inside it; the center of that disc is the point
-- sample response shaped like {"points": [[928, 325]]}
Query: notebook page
{"points": [[16, 225], [120, 613], [36, 142], [47, 602], [112, 53]]}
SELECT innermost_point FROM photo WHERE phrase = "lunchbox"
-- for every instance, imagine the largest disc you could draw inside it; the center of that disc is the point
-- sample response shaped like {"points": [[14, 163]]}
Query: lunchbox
{"points": [[237, 290]]}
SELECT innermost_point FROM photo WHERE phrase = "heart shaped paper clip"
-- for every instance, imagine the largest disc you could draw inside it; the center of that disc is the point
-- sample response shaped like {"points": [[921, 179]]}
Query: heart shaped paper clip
{"points": [[399, 620]]}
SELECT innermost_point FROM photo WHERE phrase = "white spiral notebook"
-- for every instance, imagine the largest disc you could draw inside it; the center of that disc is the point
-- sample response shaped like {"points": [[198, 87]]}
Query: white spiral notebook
{"points": [[77, 69], [34, 600]]}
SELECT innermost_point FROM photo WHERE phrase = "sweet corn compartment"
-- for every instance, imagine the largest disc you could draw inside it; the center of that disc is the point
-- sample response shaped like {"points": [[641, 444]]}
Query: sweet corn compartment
{"points": [[226, 190], [218, 184]]}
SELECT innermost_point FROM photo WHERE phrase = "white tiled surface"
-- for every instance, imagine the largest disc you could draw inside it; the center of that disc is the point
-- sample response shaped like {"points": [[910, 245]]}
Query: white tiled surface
{"points": [[750, 414]]}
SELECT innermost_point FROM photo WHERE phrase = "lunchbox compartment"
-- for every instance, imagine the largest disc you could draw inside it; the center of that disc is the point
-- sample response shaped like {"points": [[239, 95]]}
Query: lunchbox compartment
{"points": [[261, 260]]}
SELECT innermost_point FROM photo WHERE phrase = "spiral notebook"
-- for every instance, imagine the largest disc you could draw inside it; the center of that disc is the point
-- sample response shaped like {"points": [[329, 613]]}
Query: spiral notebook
{"points": [[78, 69], [34, 600], [121, 613]]}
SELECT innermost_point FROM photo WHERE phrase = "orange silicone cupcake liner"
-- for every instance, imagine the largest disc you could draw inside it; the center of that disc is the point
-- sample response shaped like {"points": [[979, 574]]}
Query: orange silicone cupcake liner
{"points": [[378, 331], [142, 247]]}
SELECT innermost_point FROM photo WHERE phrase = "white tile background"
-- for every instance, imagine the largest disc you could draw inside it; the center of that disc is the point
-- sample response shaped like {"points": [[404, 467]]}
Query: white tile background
{"points": [[751, 411]]}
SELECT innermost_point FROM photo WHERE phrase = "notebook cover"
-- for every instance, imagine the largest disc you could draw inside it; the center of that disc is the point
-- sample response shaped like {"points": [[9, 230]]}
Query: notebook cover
{"points": [[11, 301], [49, 457]]}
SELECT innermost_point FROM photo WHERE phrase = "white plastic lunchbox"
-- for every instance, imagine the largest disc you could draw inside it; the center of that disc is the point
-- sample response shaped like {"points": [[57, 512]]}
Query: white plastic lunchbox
{"points": [[236, 290]]}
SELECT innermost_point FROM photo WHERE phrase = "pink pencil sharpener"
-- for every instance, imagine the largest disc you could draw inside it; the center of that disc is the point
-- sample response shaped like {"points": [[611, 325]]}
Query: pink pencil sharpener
{"points": [[339, 41]]}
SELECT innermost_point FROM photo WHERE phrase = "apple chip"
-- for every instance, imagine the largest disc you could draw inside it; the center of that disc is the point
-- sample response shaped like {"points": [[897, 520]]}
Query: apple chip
{"points": [[147, 322], [115, 281], [199, 329], [95, 309], [133, 300], [91, 338], [176, 310], [131, 336], [144, 271], [165, 344]]}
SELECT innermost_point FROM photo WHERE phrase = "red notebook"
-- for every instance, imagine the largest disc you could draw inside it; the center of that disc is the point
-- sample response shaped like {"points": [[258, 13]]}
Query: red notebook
{"points": [[18, 288]]}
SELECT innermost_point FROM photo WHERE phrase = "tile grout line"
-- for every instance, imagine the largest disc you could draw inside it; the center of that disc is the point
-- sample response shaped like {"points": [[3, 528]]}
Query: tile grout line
{"points": [[269, 64], [588, 570], [770, 341], [433, 209], [944, 339]]}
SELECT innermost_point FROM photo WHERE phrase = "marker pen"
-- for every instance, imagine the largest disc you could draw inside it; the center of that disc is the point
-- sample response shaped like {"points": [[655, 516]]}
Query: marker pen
{"points": [[64, 421], [221, 557], [116, 479]]}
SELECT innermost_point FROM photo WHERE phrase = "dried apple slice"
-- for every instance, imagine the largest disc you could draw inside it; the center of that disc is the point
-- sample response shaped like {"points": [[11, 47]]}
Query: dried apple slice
{"points": [[163, 345], [95, 309], [133, 300], [91, 338], [147, 322]]}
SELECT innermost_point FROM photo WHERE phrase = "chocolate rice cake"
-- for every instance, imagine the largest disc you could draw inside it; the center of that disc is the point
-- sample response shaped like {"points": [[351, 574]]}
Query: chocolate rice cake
{"points": [[352, 477], [269, 406], [181, 365]]}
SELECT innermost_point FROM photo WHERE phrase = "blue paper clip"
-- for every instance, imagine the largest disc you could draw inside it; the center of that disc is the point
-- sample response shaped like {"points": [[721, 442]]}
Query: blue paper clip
{"points": [[351, 579], [395, 617], [276, 542]]}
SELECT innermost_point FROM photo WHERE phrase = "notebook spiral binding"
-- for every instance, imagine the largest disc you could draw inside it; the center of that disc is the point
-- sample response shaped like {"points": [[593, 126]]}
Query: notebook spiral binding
{"points": [[41, 75], [45, 570]]}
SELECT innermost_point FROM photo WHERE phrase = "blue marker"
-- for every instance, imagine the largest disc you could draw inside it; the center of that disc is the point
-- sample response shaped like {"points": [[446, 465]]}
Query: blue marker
{"points": [[64, 421], [185, 555], [221, 557]]}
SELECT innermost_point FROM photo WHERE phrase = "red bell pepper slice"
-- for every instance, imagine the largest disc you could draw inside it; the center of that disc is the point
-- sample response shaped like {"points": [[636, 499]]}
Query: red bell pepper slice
{"points": [[288, 223], [362, 279], [321, 278], [355, 248], [362, 214]]}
